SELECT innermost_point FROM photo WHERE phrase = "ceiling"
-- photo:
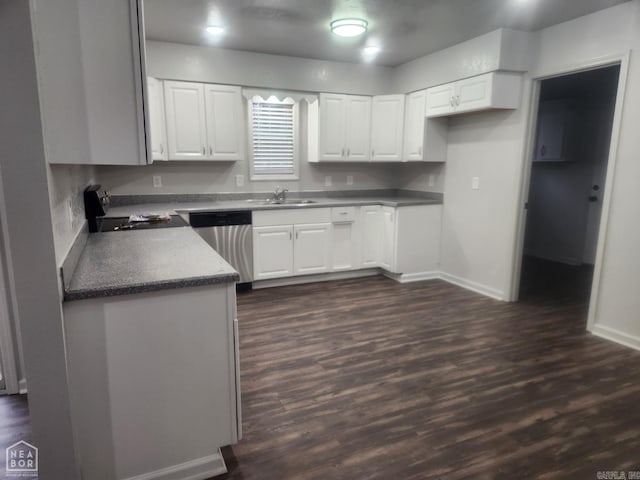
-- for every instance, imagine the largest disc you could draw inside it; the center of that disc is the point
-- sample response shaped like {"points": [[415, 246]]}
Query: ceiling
{"points": [[404, 29]]}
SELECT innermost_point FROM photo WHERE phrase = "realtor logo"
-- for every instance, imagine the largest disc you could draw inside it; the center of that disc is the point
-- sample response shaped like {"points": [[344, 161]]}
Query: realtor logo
{"points": [[22, 460]]}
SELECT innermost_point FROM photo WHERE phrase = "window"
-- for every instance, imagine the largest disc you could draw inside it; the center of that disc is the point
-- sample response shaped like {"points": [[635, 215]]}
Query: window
{"points": [[273, 138]]}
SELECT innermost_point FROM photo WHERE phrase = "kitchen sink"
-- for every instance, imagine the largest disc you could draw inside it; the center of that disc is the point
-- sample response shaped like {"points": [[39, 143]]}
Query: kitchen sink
{"points": [[295, 202]]}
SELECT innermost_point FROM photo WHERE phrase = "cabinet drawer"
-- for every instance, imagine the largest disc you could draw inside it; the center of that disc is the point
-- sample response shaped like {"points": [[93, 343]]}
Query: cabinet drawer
{"points": [[343, 214], [285, 216]]}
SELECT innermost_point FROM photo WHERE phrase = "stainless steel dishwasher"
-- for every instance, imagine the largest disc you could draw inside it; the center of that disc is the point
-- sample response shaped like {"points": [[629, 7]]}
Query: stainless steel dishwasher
{"points": [[229, 233]]}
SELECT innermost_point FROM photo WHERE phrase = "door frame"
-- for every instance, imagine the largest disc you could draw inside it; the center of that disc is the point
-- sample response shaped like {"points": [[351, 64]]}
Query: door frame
{"points": [[537, 77]]}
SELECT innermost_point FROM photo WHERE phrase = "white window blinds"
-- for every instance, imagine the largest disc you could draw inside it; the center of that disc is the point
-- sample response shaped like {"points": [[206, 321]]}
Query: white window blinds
{"points": [[273, 136]]}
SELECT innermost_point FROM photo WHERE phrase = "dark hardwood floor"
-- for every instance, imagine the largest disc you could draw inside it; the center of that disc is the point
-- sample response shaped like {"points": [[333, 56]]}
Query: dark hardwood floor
{"points": [[14, 425], [371, 379]]}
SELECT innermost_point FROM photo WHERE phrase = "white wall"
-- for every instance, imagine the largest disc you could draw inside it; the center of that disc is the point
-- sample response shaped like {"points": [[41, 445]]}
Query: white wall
{"points": [[175, 61], [33, 273], [477, 224], [618, 302]]}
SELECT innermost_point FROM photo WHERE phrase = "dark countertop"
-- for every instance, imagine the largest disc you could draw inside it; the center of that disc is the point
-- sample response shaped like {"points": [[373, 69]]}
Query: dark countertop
{"points": [[226, 205], [135, 261]]}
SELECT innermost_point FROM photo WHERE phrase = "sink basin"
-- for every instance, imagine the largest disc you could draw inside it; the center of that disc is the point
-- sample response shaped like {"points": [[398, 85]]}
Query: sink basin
{"points": [[295, 202]]}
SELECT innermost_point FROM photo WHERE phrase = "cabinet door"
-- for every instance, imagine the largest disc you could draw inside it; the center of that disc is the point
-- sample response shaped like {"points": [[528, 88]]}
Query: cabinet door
{"points": [[333, 118], [158, 130], [474, 93], [440, 100], [186, 123], [371, 228], [415, 111], [312, 248], [358, 138], [225, 126], [272, 252], [387, 121], [387, 258], [550, 134]]}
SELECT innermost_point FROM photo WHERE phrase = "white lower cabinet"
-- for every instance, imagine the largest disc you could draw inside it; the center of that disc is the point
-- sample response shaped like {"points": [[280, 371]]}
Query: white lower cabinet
{"points": [[131, 361], [345, 241], [371, 228], [388, 240], [400, 240], [272, 252], [291, 242], [312, 248]]}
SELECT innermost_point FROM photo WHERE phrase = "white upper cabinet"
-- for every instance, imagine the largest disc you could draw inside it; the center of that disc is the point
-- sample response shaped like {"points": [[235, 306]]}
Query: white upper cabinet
{"points": [[344, 127], [425, 139], [90, 81], [204, 121], [157, 125], [186, 120], [414, 120], [387, 121], [225, 125], [333, 125], [358, 127], [496, 90]]}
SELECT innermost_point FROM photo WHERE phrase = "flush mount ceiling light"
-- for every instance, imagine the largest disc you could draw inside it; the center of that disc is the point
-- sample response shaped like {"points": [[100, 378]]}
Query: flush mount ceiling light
{"points": [[349, 27], [215, 29]]}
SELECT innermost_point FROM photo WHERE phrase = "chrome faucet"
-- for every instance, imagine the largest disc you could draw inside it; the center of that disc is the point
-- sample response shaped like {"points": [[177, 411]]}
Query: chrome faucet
{"points": [[280, 195]]}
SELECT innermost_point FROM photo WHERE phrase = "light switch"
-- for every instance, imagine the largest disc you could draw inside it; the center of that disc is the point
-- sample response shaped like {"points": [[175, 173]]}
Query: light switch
{"points": [[475, 183], [239, 180], [157, 181]]}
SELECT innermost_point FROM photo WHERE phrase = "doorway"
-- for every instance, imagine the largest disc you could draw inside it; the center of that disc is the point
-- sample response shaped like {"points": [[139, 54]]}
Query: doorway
{"points": [[568, 174]]}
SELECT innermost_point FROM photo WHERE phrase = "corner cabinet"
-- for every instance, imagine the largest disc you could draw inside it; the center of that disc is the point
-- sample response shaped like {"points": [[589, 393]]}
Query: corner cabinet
{"points": [[204, 121], [425, 140], [157, 122], [496, 90], [344, 127], [89, 58], [387, 122]]}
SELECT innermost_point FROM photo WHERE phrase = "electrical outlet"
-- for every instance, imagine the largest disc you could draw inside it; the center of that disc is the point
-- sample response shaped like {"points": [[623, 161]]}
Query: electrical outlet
{"points": [[328, 181], [475, 183], [239, 180], [157, 181], [432, 180], [349, 179]]}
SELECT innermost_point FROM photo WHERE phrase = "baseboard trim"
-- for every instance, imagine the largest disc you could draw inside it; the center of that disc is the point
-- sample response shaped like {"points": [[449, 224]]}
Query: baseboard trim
{"points": [[413, 277], [321, 277], [474, 286], [198, 469], [22, 385], [616, 336]]}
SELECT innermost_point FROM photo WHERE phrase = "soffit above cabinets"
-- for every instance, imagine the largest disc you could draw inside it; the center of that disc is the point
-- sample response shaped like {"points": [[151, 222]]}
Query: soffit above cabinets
{"points": [[404, 29]]}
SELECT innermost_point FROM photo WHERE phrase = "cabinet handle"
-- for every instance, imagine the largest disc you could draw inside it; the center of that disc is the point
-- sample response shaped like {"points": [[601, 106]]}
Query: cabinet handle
{"points": [[457, 99], [543, 150], [452, 101], [204, 150], [373, 153], [348, 152], [290, 236], [161, 149], [342, 153], [296, 235], [420, 150], [210, 150]]}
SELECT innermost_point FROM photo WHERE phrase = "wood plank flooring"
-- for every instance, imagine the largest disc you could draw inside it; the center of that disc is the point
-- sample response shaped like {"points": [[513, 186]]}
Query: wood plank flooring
{"points": [[369, 378]]}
